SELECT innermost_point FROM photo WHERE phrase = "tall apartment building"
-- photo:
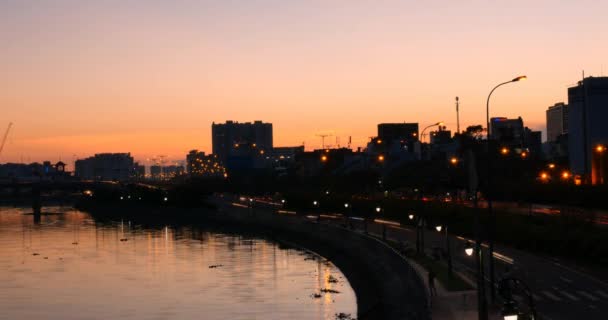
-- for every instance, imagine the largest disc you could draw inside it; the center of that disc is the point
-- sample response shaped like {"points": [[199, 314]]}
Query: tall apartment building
{"points": [[106, 166], [587, 129], [557, 121], [227, 137]]}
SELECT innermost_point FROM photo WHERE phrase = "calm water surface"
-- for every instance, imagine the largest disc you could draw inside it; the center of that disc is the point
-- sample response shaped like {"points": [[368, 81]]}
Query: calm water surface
{"points": [[68, 266]]}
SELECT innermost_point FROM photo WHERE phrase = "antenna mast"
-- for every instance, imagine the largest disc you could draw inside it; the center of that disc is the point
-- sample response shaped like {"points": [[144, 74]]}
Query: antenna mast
{"points": [[457, 116]]}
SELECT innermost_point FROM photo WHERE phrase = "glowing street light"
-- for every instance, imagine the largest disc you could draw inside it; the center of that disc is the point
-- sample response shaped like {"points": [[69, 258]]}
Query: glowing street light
{"points": [[381, 158], [509, 311], [469, 249], [454, 161], [411, 216], [346, 205], [565, 175], [544, 176], [438, 228], [324, 158], [440, 123], [600, 148], [489, 193], [504, 151], [378, 209], [551, 165], [315, 203]]}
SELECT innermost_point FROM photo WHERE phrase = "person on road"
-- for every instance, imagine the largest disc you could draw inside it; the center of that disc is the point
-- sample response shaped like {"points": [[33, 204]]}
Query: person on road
{"points": [[432, 288]]}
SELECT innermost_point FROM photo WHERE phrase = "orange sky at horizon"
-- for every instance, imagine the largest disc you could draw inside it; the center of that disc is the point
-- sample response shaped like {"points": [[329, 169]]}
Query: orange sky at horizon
{"points": [[150, 77]]}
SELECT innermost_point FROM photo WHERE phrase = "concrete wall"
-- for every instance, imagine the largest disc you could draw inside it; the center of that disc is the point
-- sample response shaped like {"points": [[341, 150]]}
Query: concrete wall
{"points": [[386, 286]]}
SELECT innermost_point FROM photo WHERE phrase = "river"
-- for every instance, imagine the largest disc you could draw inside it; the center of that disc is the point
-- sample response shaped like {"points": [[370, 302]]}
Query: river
{"points": [[67, 265]]}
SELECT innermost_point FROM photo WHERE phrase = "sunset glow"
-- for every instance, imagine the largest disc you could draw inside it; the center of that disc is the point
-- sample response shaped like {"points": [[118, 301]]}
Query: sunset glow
{"points": [[150, 77]]}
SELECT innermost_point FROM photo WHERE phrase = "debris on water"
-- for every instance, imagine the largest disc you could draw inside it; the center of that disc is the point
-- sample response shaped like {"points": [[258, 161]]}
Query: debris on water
{"points": [[124, 239], [74, 242], [331, 279], [329, 291], [46, 257], [35, 254], [344, 316], [213, 266], [315, 295]]}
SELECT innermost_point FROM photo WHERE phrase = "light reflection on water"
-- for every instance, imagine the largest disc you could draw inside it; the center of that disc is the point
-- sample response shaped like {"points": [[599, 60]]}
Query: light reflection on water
{"points": [[67, 266]]}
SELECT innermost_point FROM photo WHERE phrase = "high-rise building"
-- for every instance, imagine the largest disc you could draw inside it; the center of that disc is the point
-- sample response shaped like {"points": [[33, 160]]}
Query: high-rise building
{"points": [[557, 121], [227, 137], [106, 166], [587, 129]]}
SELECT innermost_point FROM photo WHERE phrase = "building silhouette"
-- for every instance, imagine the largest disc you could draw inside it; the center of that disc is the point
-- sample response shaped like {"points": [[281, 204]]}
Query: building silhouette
{"points": [[587, 129], [508, 132], [106, 166], [398, 131], [228, 137]]}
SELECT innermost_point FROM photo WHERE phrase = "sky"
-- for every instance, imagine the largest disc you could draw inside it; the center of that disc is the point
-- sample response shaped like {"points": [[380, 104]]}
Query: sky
{"points": [[150, 77]]}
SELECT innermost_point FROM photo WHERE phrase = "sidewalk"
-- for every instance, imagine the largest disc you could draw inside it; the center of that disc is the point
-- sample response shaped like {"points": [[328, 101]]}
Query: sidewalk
{"points": [[458, 305]]}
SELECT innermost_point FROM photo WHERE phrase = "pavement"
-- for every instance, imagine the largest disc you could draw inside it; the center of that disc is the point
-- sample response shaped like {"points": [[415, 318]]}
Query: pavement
{"points": [[561, 290]]}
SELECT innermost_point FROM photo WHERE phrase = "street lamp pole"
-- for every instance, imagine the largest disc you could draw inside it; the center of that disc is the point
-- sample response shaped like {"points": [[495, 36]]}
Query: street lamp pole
{"points": [[448, 250], [482, 302], [440, 123], [488, 187]]}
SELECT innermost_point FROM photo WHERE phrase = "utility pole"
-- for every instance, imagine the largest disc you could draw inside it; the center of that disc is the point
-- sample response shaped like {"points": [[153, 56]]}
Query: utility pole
{"points": [[457, 117]]}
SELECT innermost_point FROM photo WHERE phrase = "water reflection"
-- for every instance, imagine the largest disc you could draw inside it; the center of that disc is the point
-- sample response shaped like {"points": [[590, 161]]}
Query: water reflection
{"points": [[66, 265]]}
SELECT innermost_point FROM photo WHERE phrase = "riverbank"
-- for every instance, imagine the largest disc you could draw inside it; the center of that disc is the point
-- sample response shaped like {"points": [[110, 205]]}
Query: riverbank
{"points": [[386, 285]]}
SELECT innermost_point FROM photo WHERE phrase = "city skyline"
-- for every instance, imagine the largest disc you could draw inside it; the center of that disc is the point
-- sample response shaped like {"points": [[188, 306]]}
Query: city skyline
{"points": [[150, 78]]}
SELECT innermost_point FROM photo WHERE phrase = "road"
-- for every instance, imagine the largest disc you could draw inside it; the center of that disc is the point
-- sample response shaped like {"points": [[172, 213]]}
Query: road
{"points": [[561, 291]]}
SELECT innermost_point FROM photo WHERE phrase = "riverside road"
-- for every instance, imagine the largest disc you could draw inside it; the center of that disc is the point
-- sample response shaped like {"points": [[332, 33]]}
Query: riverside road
{"points": [[561, 290]]}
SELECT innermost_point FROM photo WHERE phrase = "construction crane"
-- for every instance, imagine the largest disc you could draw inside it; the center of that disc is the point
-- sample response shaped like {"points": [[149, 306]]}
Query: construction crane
{"points": [[10, 124]]}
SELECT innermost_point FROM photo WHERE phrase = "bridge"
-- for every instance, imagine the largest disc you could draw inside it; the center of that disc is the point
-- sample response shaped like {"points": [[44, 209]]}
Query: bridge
{"points": [[48, 192]]}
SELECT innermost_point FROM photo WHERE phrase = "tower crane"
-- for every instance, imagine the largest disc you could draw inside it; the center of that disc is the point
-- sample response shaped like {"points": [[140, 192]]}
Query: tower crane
{"points": [[10, 124]]}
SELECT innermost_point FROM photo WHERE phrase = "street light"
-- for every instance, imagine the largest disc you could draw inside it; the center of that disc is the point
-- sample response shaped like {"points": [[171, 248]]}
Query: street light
{"points": [[346, 205], [509, 311], [440, 123], [378, 209], [454, 160], [469, 249], [504, 151], [447, 247], [482, 303], [488, 193], [411, 216]]}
